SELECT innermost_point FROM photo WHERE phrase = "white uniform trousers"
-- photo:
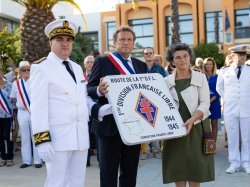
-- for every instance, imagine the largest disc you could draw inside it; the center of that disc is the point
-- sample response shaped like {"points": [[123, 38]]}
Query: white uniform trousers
{"points": [[24, 121], [67, 169], [238, 126]]}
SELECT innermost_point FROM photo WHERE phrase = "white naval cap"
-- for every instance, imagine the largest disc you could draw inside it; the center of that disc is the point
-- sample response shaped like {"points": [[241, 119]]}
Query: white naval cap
{"points": [[60, 27], [24, 64], [244, 48]]}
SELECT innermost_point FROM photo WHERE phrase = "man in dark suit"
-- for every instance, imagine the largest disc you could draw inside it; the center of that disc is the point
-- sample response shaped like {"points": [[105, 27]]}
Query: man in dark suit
{"points": [[114, 154]]}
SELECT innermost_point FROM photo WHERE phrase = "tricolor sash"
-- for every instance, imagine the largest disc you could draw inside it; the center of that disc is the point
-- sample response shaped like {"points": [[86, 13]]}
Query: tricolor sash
{"points": [[85, 76], [4, 104], [120, 63], [23, 93]]}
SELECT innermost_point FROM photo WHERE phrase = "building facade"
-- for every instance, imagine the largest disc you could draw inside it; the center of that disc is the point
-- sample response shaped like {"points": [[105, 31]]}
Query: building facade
{"points": [[10, 14], [225, 22]]}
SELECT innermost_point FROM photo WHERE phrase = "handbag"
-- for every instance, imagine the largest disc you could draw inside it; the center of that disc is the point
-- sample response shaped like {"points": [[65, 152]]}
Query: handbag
{"points": [[208, 142]]}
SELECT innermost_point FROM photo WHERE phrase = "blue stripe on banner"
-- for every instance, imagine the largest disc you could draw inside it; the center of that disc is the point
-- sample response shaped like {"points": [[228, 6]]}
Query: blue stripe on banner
{"points": [[25, 93], [5, 102], [124, 62]]}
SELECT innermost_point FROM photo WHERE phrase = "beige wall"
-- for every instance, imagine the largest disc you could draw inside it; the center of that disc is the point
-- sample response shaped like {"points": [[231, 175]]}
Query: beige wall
{"points": [[241, 4], [212, 5]]}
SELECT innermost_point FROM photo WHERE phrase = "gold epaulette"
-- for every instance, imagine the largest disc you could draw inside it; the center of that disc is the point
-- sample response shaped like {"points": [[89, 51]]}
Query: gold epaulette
{"points": [[39, 61], [42, 137]]}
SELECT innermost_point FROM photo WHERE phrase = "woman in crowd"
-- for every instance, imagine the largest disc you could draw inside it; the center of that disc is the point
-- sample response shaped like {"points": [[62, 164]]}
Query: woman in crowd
{"points": [[183, 160], [199, 63], [6, 107], [210, 68], [158, 60]]}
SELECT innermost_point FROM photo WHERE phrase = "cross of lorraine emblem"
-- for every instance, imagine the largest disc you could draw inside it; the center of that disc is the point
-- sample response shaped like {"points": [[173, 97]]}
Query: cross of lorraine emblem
{"points": [[146, 109]]}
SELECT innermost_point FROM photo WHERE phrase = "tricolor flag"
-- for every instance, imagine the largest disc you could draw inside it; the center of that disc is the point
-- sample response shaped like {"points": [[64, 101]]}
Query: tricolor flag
{"points": [[154, 2], [227, 21], [135, 5]]}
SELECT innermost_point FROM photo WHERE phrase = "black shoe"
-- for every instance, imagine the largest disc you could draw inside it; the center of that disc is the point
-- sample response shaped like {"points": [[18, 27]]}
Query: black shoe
{"points": [[25, 165], [38, 165]]}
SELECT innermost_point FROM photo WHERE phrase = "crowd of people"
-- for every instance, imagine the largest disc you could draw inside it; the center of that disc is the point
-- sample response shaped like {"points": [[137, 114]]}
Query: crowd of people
{"points": [[64, 115]]}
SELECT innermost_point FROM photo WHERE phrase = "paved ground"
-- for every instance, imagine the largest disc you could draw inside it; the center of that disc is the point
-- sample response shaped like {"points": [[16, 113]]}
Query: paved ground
{"points": [[149, 174]]}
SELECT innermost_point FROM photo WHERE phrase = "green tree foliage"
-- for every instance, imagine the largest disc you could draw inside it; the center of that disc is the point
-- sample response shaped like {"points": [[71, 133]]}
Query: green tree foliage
{"points": [[205, 50], [82, 47], [10, 45]]}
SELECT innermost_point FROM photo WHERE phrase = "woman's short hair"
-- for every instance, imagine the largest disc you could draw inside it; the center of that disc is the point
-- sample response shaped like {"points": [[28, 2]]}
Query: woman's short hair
{"points": [[123, 29], [214, 65], [197, 61], [177, 47]]}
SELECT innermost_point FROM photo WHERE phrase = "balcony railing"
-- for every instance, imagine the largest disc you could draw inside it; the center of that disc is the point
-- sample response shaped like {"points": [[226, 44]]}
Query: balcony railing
{"points": [[241, 32]]}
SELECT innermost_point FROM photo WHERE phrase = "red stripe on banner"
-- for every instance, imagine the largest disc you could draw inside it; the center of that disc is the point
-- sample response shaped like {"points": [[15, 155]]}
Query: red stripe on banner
{"points": [[19, 89], [116, 64], [1, 104]]}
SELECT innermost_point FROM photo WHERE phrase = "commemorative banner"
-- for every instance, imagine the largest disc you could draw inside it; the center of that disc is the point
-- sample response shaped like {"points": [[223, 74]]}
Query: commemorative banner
{"points": [[143, 108]]}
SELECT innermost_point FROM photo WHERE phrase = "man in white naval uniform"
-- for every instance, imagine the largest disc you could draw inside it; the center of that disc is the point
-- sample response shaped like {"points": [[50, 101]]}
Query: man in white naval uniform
{"points": [[233, 85], [20, 93], [59, 109]]}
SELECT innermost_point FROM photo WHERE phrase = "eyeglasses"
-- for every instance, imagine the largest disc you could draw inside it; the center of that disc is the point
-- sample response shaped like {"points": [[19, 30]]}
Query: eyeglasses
{"points": [[25, 70], [148, 53]]}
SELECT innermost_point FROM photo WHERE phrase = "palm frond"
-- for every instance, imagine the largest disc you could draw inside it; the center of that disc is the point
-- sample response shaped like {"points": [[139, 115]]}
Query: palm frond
{"points": [[72, 2]]}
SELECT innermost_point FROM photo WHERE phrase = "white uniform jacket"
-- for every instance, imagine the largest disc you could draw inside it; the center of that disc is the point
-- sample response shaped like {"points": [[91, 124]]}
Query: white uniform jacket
{"points": [[59, 106], [234, 91], [196, 96]]}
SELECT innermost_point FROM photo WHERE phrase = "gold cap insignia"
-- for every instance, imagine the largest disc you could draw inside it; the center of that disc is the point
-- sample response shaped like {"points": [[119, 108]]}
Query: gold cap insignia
{"points": [[65, 24], [60, 27]]}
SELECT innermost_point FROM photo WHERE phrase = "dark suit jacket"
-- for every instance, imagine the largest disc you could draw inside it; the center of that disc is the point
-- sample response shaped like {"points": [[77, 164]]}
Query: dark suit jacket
{"points": [[103, 67]]}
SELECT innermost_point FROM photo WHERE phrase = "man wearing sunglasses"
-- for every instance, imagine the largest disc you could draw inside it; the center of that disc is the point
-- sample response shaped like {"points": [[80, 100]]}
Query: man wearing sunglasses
{"points": [[20, 94]]}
